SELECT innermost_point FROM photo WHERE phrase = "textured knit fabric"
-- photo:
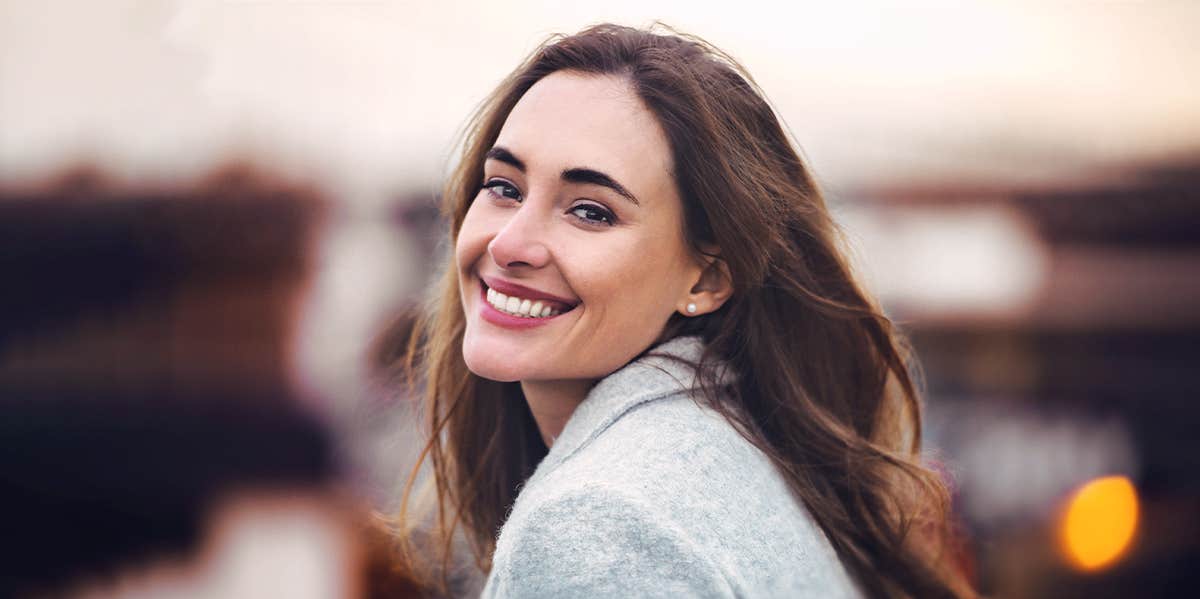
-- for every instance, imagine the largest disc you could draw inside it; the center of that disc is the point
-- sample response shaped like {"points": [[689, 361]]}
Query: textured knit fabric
{"points": [[647, 494]]}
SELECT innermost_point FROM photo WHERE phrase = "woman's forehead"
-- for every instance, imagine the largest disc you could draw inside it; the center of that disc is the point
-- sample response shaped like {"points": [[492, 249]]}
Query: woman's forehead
{"points": [[571, 120]]}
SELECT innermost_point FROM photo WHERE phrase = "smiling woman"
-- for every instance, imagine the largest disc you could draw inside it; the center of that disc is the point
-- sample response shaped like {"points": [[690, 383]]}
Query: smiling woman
{"points": [[650, 368], [558, 222]]}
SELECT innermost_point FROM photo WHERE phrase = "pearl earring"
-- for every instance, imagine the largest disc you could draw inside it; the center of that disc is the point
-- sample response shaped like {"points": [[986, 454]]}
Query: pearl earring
{"points": [[691, 308]]}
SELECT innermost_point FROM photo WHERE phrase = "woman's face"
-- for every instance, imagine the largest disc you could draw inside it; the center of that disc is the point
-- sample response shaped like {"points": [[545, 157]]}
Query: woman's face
{"points": [[572, 256]]}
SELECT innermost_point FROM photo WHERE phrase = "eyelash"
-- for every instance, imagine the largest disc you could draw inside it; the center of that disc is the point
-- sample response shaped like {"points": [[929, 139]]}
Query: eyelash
{"points": [[494, 183], [607, 218]]}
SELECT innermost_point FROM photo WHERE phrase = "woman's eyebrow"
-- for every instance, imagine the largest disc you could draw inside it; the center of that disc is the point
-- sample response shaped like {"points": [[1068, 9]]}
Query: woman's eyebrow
{"points": [[593, 177], [503, 155], [585, 176]]}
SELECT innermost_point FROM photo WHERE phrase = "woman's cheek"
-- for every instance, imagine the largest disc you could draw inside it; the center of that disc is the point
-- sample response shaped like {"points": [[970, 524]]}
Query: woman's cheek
{"points": [[472, 239]]}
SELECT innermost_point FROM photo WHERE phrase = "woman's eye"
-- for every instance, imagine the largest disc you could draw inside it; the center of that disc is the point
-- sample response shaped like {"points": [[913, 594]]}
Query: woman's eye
{"points": [[593, 214], [503, 189]]}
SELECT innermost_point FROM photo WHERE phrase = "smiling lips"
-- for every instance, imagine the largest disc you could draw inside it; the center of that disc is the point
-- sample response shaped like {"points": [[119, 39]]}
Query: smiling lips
{"points": [[516, 306], [526, 305]]}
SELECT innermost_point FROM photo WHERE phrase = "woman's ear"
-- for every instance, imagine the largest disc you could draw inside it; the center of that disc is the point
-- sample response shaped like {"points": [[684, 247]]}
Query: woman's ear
{"points": [[712, 287]]}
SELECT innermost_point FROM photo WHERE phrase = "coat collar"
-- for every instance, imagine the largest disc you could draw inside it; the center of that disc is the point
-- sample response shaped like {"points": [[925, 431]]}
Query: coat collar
{"points": [[659, 372]]}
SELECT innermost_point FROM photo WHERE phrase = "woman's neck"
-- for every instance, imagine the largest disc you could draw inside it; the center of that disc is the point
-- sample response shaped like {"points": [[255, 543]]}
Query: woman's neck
{"points": [[553, 402]]}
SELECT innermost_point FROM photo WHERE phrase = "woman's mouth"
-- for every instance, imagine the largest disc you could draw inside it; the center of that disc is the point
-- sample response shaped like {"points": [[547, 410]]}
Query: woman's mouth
{"points": [[507, 301], [518, 306]]}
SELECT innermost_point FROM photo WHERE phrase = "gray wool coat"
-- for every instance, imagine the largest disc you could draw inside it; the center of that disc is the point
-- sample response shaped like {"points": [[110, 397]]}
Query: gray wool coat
{"points": [[647, 494]]}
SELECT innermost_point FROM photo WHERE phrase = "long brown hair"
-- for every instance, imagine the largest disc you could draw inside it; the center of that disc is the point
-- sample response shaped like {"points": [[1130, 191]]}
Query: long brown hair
{"points": [[824, 379]]}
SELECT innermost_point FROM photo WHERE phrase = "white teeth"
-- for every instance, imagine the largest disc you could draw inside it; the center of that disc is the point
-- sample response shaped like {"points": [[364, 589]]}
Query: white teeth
{"points": [[519, 306]]}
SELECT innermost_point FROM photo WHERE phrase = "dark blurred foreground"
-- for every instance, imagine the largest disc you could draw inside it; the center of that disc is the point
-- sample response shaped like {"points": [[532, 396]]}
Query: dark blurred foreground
{"points": [[153, 441]]}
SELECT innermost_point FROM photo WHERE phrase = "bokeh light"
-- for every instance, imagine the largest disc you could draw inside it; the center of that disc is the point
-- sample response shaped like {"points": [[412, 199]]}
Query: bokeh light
{"points": [[1099, 522]]}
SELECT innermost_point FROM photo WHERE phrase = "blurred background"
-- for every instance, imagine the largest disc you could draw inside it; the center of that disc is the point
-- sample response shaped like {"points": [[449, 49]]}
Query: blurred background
{"points": [[214, 210]]}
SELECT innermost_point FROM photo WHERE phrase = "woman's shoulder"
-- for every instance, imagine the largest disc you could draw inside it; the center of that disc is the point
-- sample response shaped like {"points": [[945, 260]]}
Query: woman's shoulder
{"points": [[669, 491], [676, 437], [597, 541], [689, 465]]}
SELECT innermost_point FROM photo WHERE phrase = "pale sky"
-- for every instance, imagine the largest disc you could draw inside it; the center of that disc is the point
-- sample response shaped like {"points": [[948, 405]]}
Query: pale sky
{"points": [[366, 96]]}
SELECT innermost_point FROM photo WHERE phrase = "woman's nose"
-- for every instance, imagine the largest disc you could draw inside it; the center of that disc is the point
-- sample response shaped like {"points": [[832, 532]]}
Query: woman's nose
{"points": [[521, 241]]}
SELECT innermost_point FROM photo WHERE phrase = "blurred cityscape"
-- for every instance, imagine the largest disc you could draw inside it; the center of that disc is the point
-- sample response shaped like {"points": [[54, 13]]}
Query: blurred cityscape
{"points": [[212, 212]]}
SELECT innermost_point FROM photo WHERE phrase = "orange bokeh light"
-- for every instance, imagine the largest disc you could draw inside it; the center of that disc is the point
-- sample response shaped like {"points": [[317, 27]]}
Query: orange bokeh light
{"points": [[1099, 523]]}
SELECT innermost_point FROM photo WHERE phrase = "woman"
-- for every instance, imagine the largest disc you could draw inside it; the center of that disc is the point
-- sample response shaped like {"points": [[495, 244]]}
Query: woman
{"points": [[649, 367]]}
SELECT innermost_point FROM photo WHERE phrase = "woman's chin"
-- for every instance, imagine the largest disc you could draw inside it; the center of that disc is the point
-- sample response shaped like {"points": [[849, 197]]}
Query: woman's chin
{"points": [[496, 366]]}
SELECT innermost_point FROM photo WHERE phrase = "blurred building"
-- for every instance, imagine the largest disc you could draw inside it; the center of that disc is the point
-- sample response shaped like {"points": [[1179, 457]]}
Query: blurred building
{"points": [[1059, 331], [156, 439], [153, 289]]}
